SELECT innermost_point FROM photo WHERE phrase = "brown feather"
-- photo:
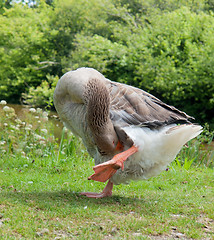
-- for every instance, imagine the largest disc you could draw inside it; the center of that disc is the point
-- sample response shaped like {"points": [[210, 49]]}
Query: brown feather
{"points": [[133, 106]]}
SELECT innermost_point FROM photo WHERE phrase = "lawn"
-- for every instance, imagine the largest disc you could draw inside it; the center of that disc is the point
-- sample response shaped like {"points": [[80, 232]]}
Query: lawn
{"points": [[43, 202], [41, 178]]}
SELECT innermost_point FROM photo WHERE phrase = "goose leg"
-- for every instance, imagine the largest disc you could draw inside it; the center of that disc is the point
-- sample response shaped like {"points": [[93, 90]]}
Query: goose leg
{"points": [[106, 170], [107, 192]]}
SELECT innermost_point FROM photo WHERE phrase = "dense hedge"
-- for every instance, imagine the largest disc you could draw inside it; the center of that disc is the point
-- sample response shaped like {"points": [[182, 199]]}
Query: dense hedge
{"points": [[164, 47]]}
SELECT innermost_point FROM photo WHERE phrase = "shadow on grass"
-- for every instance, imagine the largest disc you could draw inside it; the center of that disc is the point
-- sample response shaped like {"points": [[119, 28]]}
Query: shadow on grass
{"points": [[74, 200]]}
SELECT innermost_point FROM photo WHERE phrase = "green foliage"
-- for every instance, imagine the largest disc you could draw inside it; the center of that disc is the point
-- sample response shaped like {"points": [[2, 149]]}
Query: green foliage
{"points": [[24, 49], [41, 95], [171, 57], [179, 56], [5, 4], [164, 47], [34, 135], [31, 136]]}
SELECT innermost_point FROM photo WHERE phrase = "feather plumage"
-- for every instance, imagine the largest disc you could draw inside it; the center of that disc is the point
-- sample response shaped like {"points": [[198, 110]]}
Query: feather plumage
{"points": [[104, 113]]}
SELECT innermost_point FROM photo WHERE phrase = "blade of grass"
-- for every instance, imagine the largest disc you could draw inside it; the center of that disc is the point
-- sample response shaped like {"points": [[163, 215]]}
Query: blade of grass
{"points": [[61, 145]]}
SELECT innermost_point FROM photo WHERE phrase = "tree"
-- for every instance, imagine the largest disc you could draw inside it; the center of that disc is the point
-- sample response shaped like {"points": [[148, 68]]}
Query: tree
{"points": [[25, 49]]}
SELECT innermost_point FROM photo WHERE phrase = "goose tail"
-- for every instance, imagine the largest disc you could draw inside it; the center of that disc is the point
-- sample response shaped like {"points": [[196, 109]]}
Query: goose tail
{"points": [[181, 134]]}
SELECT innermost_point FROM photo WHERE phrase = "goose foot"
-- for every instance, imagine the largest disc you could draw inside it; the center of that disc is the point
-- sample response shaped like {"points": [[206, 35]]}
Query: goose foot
{"points": [[106, 170], [107, 192]]}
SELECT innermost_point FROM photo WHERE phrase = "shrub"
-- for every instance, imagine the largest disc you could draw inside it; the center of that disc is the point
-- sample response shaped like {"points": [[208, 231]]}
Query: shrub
{"points": [[172, 57], [164, 47]]}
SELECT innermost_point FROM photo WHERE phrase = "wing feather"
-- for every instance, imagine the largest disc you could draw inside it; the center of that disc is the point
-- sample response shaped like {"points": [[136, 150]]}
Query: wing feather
{"points": [[130, 105]]}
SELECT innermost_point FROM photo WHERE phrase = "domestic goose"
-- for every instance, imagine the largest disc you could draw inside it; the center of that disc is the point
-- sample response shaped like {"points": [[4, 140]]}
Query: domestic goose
{"points": [[131, 134]]}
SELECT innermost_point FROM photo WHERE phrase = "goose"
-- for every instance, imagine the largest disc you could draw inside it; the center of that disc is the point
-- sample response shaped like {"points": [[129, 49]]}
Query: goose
{"points": [[131, 134]]}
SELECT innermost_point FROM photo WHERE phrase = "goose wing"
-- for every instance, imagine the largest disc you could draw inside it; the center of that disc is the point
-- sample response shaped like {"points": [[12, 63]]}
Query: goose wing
{"points": [[130, 106]]}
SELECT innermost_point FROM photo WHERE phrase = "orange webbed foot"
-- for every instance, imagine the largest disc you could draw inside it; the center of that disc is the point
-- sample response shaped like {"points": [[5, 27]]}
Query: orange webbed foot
{"points": [[107, 192], [106, 170], [103, 172]]}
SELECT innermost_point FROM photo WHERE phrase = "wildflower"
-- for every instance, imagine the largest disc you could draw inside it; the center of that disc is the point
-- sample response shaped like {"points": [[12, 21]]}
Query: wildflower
{"points": [[28, 127], [42, 142], [5, 124], [32, 110], [70, 134], [2, 142], [17, 120], [45, 131], [38, 110], [23, 154], [39, 152], [14, 127], [45, 119], [38, 137], [6, 109], [45, 114], [3, 102], [9, 110]]}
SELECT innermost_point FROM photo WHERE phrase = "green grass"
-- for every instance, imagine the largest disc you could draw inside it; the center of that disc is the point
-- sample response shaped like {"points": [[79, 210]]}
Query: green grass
{"points": [[41, 178], [42, 201]]}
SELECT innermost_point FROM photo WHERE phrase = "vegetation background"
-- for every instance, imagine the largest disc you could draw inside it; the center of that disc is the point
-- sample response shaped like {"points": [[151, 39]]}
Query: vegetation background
{"points": [[165, 47], [162, 46]]}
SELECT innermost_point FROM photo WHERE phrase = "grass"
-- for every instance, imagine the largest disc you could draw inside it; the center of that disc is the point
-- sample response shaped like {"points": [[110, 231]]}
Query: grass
{"points": [[43, 202], [40, 181]]}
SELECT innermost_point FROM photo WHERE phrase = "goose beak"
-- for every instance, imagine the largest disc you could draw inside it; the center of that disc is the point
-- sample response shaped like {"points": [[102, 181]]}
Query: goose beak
{"points": [[119, 146]]}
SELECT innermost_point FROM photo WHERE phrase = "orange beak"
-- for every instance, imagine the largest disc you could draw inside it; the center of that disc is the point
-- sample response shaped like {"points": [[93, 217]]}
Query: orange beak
{"points": [[119, 146]]}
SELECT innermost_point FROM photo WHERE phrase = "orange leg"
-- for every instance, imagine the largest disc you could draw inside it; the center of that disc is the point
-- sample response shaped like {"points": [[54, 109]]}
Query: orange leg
{"points": [[106, 170], [107, 192]]}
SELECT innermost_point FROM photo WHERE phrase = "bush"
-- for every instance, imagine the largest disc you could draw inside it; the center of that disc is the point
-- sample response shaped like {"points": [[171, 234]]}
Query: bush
{"points": [[171, 58], [164, 47], [41, 96], [26, 52]]}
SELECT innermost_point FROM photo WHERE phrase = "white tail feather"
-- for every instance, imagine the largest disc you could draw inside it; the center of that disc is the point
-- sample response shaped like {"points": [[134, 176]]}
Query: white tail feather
{"points": [[157, 148], [179, 135]]}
